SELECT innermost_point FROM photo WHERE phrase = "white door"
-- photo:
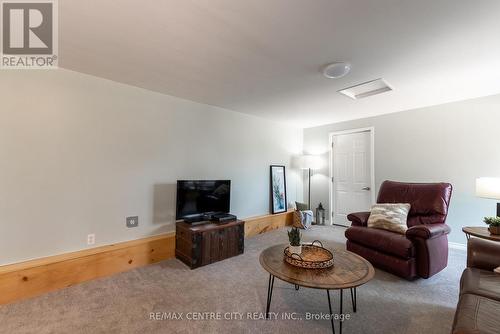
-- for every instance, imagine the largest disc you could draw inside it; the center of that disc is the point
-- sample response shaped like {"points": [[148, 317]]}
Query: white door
{"points": [[351, 175]]}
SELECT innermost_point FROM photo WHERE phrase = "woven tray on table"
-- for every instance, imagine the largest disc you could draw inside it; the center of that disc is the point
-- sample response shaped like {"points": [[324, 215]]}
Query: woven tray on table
{"points": [[312, 257]]}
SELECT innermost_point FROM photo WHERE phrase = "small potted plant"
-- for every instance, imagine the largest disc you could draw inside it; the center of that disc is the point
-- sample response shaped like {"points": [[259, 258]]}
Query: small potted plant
{"points": [[294, 238], [493, 223]]}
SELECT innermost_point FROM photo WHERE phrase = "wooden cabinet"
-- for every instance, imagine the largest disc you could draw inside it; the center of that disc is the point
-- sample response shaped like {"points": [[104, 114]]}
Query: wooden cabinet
{"points": [[203, 244]]}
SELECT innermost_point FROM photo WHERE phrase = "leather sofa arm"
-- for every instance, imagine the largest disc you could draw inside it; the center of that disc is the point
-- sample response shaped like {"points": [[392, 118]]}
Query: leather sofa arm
{"points": [[483, 254], [428, 231], [358, 218]]}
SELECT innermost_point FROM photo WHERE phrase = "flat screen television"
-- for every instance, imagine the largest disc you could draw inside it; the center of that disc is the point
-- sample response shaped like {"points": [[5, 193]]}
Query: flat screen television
{"points": [[197, 197]]}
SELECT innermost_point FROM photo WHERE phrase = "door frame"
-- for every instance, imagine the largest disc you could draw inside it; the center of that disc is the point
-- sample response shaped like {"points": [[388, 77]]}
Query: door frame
{"points": [[370, 129]]}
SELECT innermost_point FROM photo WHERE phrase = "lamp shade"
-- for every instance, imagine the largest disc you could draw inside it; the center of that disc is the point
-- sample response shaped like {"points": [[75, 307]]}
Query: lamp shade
{"points": [[488, 187], [310, 161]]}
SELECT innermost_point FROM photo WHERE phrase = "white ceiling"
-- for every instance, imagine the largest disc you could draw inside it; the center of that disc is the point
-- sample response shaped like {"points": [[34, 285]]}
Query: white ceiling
{"points": [[262, 57]]}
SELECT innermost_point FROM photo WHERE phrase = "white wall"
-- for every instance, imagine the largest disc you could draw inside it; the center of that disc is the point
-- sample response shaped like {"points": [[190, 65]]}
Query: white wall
{"points": [[78, 154], [455, 142]]}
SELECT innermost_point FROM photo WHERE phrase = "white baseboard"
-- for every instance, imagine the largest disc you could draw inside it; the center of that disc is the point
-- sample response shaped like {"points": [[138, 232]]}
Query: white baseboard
{"points": [[456, 245]]}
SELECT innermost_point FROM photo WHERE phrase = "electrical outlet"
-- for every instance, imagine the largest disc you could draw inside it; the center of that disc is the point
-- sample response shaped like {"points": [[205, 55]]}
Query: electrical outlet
{"points": [[133, 221], [90, 239]]}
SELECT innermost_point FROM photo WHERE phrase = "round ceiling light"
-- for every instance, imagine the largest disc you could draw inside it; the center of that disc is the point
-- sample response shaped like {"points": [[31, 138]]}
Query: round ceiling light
{"points": [[336, 70]]}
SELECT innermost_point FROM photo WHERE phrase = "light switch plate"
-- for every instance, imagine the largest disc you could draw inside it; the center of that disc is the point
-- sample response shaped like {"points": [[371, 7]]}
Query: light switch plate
{"points": [[133, 221]]}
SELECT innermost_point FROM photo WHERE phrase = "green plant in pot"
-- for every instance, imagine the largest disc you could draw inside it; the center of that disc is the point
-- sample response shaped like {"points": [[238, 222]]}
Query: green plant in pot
{"points": [[493, 223], [294, 238]]}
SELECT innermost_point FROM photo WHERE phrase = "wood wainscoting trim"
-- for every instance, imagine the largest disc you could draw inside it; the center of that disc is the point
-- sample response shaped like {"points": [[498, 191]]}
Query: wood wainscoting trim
{"points": [[266, 223], [31, 278]]}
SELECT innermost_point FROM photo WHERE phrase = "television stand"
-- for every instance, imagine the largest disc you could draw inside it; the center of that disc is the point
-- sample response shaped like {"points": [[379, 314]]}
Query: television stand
{"points": [[207, 242]]}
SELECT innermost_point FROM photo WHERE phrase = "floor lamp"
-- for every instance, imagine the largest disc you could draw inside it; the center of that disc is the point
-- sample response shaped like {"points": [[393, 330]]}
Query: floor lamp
{"points": [[310, 162], [489, 187]]}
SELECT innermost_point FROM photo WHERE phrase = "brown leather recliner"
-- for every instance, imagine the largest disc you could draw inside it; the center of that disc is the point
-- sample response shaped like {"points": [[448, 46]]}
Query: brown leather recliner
{"points": [[479, 304], [423, 250]]}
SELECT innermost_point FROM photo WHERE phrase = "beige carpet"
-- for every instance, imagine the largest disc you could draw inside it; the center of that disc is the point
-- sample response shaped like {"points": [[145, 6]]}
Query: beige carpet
{"points": [[123, 303]]}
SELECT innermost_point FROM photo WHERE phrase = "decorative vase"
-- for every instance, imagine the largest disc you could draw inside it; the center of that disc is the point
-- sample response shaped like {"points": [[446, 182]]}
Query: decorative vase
{"points": [[295, 249], [494, 229]]}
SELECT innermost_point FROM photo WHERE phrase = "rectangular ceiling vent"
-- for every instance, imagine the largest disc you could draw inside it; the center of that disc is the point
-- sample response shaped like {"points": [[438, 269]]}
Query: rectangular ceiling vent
{"points": [[366, 89]]}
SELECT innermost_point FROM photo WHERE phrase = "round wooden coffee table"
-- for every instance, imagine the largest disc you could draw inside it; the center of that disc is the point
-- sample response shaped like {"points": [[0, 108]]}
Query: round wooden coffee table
{"points": [[480, 232], [348, 272]]}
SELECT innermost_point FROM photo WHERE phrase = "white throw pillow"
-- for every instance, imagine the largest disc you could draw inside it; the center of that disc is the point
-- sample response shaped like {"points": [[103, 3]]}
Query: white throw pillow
{"points": [[389, 216]]}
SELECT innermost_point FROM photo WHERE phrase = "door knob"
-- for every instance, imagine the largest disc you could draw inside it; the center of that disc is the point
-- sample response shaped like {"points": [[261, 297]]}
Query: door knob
{"points": [[365, 188]]}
